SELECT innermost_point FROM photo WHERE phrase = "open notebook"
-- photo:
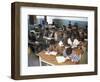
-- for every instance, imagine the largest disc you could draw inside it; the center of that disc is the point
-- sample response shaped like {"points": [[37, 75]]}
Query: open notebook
{"points": [[60, 59]]}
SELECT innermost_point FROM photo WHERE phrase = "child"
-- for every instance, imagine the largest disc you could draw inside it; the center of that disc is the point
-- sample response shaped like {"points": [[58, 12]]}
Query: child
{"points": [[75, 57], [67, 52], [73, 41]]}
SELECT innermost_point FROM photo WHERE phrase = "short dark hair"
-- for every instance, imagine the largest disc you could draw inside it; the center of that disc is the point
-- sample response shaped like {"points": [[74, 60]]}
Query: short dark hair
{"points": [[52, 41], [69, 51]]}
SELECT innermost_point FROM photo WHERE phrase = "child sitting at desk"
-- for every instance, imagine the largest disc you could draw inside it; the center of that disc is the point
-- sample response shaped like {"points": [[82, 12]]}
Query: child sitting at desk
{"points": [[52, 45], [67, 52], [75, 57], [73, 41], [71, 54]]}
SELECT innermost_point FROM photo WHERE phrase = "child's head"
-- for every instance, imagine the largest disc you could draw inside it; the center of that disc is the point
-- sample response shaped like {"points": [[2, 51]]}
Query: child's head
{"points": [[72, 37], [69, 51], [52, 42]]}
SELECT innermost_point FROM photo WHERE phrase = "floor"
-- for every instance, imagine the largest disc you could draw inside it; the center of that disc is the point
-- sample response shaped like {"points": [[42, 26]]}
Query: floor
{"points": [[33, 60]]}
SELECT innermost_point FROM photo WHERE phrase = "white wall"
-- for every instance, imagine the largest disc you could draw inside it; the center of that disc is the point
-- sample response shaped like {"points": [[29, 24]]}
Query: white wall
{"points": [[5, 40]]}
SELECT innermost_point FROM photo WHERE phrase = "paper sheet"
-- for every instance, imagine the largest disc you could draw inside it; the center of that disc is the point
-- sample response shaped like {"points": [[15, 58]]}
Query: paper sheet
{"points": [[51, 53], [60, 59]]}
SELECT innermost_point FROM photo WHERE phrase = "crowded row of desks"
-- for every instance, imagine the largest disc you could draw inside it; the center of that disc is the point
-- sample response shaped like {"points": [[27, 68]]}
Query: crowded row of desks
{"points": [[54, 55], [60, 46]]}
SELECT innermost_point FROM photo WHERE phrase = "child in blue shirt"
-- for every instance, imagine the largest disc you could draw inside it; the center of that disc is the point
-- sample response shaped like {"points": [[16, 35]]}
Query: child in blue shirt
{"points": [[71, 54]]}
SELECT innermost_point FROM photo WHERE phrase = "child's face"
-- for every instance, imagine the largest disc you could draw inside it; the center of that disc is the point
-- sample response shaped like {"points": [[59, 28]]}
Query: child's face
{"points": [[72, 38], [73, 52]]}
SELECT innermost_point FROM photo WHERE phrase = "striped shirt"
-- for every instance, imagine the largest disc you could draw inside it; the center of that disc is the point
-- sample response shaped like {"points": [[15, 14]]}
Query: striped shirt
{"points": [[75, 57]]}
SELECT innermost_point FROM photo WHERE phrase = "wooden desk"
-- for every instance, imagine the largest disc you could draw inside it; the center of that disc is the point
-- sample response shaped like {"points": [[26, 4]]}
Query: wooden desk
{"points": [[51, 59]]}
